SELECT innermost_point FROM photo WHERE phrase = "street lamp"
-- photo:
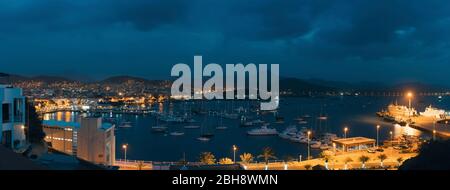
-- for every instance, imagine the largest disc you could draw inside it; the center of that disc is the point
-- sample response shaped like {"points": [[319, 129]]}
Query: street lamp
{"points": [[378, 130], [410, 96], [234, 153], [345, 132], [392, 137], [334, 148], [434, 135], [309, 153], [125, 147]]}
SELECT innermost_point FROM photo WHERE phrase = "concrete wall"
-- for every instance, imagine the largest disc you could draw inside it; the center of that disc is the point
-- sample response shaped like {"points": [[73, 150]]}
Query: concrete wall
{"points": [[7, 95]]}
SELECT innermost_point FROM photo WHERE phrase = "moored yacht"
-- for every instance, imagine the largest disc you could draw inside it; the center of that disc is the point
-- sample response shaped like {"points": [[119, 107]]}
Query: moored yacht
{"points": [[192, 127], [263, 131], [177, 133]]}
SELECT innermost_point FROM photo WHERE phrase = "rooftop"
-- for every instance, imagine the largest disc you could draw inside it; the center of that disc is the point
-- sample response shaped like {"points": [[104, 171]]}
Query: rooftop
{"points": [[64, 124], [354, 140]]}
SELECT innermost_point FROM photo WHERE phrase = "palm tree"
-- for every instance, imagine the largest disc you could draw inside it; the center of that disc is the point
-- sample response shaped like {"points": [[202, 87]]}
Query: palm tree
{"points": [[246, 158], [346, 161], [267, 154], [307, 167], [140, 165], [399, 161], [382, 157], [225, 161], [363, 159], [207, 158]]}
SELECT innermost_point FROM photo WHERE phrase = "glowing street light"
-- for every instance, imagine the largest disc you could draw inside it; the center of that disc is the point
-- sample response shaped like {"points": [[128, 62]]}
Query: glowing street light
{"points": [[234, 153], [410, 96], [434, 135], [125, 147], [378, 130], [309, 153], [345, 132], [392, 137], [334, 148]]}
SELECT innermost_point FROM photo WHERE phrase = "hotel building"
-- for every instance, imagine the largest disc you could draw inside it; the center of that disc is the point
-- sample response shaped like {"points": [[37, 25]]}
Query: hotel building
{"points": [[12, 121], [89, 139]]}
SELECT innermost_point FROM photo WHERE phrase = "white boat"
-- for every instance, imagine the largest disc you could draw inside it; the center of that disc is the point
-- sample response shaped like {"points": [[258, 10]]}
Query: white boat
{"points": [[303, 122], [315, 144], [433, 113], [257, 121], [221, 127], [324, 147], [192, 127], [125, 124], [159, 128], [263, 131], [289, 132], [203, 139], [177, 133]]}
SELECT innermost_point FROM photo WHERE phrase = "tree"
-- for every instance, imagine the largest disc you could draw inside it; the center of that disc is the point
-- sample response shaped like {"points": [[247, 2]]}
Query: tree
{"points": [[399, 161], [382, 157], [207, 158], [267, 154], [246, 158], [363, 159], [307, 167], [346, 161], [140, 165], [34, 129], [225, 161]]}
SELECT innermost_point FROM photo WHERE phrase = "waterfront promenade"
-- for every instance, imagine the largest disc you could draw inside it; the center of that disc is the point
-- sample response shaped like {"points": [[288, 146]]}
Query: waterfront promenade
{"points": [[338, 162]]}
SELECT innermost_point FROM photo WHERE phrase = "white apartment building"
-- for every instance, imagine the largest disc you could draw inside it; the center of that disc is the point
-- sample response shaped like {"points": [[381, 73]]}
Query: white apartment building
{"points": [[12, 112], [89, 139]]}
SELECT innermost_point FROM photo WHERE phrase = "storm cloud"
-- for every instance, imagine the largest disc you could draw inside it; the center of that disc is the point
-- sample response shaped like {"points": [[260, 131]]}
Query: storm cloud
{"points": [[372, 40]]}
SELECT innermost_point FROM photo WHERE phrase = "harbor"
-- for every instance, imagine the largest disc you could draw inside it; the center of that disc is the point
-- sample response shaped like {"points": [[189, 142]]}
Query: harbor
{"points": [[177, 131]]}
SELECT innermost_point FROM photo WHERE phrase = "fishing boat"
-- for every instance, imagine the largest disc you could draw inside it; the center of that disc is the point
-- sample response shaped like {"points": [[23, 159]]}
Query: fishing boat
{"points": [[263, 131]]}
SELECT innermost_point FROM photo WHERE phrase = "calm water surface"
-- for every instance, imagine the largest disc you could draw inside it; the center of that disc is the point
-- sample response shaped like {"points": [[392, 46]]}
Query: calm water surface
{"points": [[358, 113]]}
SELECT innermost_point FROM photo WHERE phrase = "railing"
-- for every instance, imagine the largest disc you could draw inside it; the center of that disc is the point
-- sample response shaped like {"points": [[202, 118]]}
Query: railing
{"points": [[123, 161]]}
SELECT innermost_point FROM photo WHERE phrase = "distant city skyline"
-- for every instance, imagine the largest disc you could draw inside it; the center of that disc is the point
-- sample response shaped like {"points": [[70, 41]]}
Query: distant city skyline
{"points": [[353, 41]]}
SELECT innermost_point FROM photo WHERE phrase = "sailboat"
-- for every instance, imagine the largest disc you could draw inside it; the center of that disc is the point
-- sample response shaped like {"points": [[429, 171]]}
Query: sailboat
{"points": [[204, 136], [220, 126], [159, 128]]}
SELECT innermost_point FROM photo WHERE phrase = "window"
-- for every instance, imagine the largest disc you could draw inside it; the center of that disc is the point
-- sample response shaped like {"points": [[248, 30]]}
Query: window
{"points": [[18, 112], [6, 115]]}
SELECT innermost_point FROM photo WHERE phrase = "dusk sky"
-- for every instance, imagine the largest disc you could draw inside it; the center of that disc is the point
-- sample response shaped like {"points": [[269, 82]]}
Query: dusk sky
{"points": [[354, 40]]}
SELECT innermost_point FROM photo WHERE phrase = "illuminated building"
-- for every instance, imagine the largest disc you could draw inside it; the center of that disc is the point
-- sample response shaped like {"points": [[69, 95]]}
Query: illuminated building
{"points": [[12, 112], [353, 144], [89, 139]]}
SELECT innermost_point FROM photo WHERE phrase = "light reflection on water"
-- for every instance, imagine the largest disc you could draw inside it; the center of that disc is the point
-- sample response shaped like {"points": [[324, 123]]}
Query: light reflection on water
{"points": [[356, 113]]}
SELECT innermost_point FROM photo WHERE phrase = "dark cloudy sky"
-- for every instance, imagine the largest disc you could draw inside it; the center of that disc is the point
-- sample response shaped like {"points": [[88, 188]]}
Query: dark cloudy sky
{"points": [[353, 40]]}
